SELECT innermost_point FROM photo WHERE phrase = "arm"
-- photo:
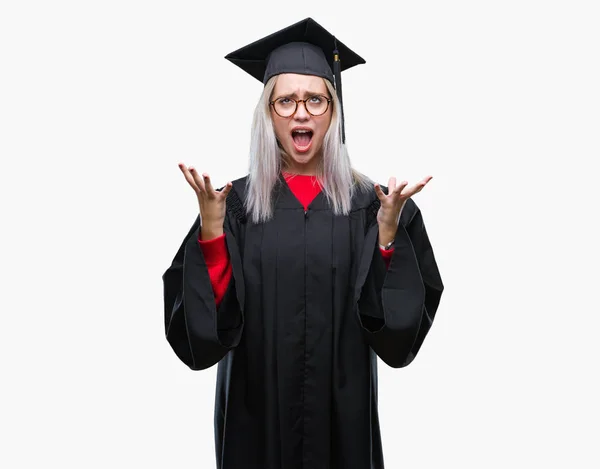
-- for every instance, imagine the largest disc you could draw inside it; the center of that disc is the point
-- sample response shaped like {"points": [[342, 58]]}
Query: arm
{"points": [[397, 306], [199, 331], [387, 256], [219, 268]]}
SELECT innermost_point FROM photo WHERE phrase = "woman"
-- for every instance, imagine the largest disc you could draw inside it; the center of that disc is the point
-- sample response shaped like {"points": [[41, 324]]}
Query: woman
{"points": [[296, 277]]}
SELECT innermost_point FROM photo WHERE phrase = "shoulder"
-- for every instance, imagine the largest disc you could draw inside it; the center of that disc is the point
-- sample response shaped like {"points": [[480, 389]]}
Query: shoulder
{"points": [[410, 210], [236, 199], [239, 186], [363, 194]]}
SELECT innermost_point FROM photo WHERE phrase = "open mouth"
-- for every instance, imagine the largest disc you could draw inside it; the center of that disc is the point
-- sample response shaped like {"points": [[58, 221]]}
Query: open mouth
{"points": [[302, 139]]}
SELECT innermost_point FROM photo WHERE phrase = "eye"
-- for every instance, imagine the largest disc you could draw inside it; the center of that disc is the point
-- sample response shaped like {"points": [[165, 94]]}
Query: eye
{"points": [[316, 99], [284, 100]]}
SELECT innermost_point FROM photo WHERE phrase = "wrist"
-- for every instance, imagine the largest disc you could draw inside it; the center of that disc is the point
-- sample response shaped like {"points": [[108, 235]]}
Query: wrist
{"points": [[386, 235], [210, 231], [387, 247]]}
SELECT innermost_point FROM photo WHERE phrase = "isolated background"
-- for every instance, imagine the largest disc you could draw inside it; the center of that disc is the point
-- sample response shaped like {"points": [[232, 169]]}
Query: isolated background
{"points": [[99, 101]]}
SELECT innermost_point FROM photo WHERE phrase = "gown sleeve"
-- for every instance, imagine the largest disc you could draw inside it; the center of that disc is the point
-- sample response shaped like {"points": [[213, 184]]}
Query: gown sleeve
{"points": [[397, 305], [219, 268], [199, 331]]}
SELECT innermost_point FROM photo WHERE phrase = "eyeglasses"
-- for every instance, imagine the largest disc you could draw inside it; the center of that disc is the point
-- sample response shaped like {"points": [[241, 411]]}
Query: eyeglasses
{"points": [[316, 105]]}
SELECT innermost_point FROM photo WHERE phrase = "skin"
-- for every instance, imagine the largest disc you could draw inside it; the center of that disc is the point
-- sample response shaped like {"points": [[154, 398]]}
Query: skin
{"points": [[297, 86], [392, 204], [212, 202]]}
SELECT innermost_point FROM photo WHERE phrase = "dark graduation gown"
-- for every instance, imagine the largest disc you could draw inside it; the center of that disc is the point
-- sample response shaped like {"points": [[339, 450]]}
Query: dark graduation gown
{"points": [[296, 337]]}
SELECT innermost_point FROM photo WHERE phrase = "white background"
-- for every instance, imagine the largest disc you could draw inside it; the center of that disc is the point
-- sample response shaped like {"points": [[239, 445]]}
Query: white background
{"points": [[99, 101]]}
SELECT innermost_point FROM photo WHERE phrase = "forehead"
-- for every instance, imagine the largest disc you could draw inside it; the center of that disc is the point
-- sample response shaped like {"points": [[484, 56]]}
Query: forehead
{"points": [[293, 83]]}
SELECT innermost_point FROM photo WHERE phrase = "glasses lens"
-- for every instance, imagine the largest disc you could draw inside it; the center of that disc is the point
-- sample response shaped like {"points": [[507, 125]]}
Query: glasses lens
{"points": [[285, 107], [317, 105]]}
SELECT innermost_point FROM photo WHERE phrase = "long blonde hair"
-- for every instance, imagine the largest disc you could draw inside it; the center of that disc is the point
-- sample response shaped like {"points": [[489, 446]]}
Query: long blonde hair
{"points": [[334, 171]]}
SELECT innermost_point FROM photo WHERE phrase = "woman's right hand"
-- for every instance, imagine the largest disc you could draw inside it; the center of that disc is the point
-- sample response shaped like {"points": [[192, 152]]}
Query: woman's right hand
{"points": [[212, 203]]}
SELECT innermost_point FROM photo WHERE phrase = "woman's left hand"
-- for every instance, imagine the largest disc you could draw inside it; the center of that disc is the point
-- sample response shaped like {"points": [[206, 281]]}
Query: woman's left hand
{"points": [[392, 204]]}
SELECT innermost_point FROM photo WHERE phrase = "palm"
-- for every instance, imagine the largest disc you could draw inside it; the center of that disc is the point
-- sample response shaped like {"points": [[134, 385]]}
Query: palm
{"points": [[212, 202]]}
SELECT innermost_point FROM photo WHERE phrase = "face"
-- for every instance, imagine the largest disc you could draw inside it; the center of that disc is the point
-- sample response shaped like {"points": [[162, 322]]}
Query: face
{"points": [[302, 134]]}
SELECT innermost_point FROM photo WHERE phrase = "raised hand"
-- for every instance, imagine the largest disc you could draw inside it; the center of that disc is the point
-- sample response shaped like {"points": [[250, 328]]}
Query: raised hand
{"points": [[212, 203], [392, 204]]}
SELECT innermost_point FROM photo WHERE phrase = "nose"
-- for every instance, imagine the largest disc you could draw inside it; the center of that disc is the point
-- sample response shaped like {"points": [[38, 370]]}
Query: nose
{"points": [[301, 112]]}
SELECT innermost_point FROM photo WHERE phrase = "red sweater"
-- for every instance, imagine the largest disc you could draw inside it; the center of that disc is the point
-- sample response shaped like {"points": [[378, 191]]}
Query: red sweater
{"points": [[305, 188]]}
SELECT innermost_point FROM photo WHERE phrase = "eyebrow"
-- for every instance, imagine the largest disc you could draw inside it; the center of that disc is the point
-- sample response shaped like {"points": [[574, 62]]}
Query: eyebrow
{"points": [[307, 93]]}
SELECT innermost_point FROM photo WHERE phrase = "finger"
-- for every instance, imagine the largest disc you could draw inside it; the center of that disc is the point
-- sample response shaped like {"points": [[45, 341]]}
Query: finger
{"points": [[182, 167], [198, 179], [423, 183], [410, 191], [207, 184], [226, 190], [414, 189], [188, 176], [380, 194], [400, 188], [391, 185]]}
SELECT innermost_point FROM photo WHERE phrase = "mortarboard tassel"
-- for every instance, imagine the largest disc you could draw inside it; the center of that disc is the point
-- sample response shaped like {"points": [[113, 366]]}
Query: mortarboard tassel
{"points": [[337, 73]]}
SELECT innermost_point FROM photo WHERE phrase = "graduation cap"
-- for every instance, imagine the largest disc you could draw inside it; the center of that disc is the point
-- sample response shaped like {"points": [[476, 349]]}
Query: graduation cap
{"points": [[305, 48]]}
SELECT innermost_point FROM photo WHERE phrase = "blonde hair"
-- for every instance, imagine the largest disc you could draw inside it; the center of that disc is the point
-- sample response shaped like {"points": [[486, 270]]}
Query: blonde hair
{"points": [[334, 171]]}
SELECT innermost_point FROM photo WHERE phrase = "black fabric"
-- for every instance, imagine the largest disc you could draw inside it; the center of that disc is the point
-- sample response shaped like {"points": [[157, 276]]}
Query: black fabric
{"points": [[296, 338], [304, 47]]}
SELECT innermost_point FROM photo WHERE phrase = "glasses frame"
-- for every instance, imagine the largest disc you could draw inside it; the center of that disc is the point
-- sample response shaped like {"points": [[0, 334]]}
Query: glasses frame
{"points": [[303, 101]]}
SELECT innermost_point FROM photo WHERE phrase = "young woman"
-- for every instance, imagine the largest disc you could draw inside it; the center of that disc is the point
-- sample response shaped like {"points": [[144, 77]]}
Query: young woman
{"points": [[296, 277]]}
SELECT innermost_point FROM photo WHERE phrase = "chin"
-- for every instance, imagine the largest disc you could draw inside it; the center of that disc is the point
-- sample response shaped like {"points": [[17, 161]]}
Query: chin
{"points": [[302, 159]]}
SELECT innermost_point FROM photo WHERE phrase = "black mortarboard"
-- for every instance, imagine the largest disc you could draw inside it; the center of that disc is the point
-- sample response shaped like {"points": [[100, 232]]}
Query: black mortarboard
{"points": [[306, 48]]}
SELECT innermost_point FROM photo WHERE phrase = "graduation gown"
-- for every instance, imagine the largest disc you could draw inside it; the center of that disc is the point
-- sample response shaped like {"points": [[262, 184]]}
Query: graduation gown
{"points": [[309, 307]]}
